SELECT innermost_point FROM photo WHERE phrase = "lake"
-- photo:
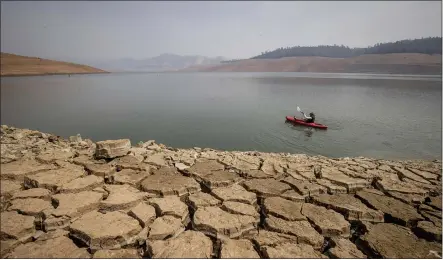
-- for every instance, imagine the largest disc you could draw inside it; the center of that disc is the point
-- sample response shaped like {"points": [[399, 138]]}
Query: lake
{"points": [[381, 116]]}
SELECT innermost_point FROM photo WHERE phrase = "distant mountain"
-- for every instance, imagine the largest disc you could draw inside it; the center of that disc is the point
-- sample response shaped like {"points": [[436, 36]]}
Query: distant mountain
{"points": [[164, 62]]}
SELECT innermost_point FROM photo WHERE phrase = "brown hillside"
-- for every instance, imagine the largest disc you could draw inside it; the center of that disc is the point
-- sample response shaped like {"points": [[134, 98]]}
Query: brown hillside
{"points": [[16, 65], [401, 63]]}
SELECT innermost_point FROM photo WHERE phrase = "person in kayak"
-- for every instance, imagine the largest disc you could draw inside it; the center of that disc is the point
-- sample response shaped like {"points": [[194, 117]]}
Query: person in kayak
{"points": [[310, 118]]}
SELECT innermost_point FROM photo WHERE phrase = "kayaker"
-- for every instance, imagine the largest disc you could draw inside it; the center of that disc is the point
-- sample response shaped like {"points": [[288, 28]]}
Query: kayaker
{"points": [[310, 118]]}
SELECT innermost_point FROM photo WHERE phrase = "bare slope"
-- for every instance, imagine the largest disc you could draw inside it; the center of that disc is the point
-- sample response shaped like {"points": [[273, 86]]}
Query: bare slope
{"points": [[16, 65], [398, 63]]}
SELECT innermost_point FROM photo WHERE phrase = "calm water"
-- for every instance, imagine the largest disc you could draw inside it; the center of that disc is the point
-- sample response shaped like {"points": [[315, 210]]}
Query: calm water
{"points": [[383, 116]]}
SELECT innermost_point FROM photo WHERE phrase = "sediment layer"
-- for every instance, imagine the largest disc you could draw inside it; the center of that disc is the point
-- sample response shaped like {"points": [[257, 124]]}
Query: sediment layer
{"points": [[79, 199]]}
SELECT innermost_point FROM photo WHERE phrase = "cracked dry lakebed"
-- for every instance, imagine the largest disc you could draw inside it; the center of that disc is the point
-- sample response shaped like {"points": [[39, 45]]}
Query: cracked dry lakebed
{"points": [[81, 199]]}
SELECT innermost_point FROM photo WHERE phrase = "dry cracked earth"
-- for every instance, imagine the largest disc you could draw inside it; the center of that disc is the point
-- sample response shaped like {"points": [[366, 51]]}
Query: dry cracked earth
{"points": [[78, 199]]}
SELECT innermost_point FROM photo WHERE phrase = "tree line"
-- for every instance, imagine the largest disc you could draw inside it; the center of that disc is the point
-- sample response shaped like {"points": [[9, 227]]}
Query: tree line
{"points": [[429, 45]]}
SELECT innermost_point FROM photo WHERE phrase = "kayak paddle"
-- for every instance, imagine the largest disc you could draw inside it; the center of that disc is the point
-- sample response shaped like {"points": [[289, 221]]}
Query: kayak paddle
{"points": [[299, 110]]}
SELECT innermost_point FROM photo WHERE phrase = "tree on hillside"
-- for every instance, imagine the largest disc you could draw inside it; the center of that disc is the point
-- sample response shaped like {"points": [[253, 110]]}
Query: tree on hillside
{"points": [[430, 45]]}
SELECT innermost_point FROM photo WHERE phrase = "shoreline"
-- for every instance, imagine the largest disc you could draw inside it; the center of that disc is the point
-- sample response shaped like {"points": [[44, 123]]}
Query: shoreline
{"points": [[283, 154], [52, 74], [430, 75], [223, 204], [400, 63], [323, 72]]}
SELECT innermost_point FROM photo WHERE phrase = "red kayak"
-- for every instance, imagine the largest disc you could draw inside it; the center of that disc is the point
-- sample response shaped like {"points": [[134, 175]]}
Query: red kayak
{"points": [[301, 122]]}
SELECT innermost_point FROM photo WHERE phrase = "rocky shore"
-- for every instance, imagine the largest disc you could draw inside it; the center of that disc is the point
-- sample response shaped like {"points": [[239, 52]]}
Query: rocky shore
{"points": [[79, 199]]}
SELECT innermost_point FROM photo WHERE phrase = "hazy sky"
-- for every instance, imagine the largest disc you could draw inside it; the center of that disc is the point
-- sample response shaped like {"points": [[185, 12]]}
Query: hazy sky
{"points": [[108, 30]]}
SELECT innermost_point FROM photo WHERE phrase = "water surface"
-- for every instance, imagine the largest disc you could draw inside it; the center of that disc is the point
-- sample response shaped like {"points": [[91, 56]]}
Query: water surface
{"points": [[383, 116]]}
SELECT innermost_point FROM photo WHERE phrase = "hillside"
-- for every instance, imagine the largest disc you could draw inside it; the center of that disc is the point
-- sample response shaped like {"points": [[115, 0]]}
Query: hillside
{"points": [[16, 65], [429, 45], [417, 56], [395, 63]]}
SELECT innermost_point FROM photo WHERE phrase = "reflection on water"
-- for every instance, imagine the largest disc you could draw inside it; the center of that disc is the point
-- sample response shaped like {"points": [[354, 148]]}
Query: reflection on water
{"points": [[403, 83], [307, 131]]}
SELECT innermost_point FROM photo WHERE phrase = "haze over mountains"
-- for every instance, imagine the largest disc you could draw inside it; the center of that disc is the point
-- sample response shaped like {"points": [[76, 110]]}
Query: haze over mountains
{"points": [[163, 62], [418, 56], [404, 56]]}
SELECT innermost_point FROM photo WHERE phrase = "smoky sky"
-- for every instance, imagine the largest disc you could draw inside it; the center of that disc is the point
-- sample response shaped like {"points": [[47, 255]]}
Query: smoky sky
{"points": [[111, 30]]}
